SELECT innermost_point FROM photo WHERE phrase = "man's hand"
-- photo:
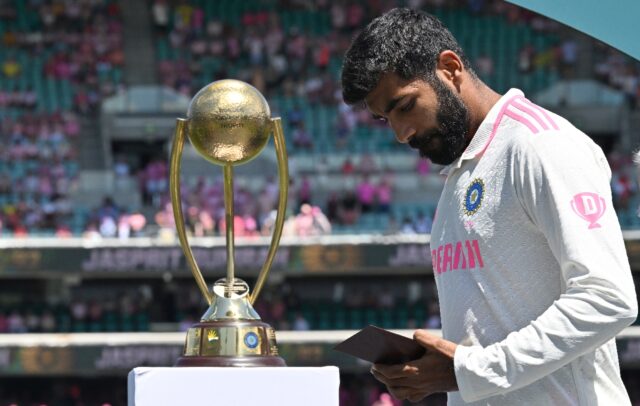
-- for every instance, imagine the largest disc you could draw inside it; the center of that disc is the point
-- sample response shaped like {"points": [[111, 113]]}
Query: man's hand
{"points": [[417, 379]]}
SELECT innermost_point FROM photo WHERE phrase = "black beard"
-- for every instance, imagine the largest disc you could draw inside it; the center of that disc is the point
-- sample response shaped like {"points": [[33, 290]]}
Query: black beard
{"points": [[444, 144]]}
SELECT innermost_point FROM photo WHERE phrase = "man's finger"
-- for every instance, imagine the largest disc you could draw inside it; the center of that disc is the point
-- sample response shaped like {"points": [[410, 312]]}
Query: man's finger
{"points": [[407, 381], [395, 371], [434, 344], [425, 339]]}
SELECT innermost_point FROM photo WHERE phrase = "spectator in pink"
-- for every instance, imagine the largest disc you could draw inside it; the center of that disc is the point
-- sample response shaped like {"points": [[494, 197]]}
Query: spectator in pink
{"points": [[366, 194], [304, 222]]}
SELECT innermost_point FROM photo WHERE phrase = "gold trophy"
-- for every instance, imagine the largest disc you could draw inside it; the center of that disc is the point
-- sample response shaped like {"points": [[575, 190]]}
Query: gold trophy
{"points": [[229, 123]]}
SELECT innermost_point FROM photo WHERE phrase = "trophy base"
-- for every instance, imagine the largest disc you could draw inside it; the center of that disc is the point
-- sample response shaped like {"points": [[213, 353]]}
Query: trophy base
{"points": [[250, 361], [230, 343]]}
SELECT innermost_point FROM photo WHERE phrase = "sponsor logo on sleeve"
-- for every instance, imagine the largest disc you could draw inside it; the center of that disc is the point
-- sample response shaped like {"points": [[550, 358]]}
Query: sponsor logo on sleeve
{"points": [[590, 207]]}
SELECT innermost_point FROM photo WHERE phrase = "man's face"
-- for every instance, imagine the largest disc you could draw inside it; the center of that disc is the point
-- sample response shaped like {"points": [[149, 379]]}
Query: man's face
{"points": [[430, 118]]}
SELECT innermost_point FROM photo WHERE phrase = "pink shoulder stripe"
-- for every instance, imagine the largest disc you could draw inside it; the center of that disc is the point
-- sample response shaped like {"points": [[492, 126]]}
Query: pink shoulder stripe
{"points": [[496, 124], [531, 112], [521, 119], [543, 111]]}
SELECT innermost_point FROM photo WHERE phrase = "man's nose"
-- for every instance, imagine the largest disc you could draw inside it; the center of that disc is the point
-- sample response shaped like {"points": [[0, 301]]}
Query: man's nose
{"points": [[404, 133]]}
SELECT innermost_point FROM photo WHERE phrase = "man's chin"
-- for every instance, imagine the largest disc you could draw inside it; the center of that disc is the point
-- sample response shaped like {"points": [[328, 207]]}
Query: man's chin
{"points": [[436, 159]]}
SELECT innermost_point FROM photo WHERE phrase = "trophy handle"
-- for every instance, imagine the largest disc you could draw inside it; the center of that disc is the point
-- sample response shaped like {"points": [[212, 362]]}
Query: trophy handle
{"points": [[174, 188], [283, 178]]}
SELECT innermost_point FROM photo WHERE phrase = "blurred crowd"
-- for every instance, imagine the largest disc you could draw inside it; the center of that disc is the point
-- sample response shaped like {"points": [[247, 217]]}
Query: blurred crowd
{"points": [[74, 41], [58, 59], [276, 60], [112, 310], [620, 72], [296, 62], [180, 304], [314, 206], [112, 221], [38, 158], [624, 181]]}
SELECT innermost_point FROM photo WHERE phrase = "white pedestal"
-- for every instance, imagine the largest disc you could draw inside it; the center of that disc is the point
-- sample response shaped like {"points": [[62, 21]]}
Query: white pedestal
{"points": [[284, 386]]}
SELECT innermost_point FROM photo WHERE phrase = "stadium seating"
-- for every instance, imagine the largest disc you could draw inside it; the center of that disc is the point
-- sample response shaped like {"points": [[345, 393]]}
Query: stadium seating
{"points": [[487, 34], [477, 34], [52, 77]]}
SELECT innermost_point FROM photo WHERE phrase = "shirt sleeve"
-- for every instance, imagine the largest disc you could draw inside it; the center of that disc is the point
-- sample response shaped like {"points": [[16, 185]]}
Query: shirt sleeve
{"points": [[562, 181]]}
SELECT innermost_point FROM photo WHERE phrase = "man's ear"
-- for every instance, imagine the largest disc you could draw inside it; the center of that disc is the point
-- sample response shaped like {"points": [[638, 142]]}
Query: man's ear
{"points": [[450, 67]]}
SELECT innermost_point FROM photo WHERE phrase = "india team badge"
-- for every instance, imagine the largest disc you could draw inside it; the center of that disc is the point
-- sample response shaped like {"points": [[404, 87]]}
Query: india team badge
{"points": [[473, 197], [251, 340]]}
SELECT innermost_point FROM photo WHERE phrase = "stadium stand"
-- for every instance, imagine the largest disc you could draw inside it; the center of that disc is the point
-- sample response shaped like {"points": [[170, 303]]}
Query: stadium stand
{"points": [[293, 56], [322, 133], [57, 61]]}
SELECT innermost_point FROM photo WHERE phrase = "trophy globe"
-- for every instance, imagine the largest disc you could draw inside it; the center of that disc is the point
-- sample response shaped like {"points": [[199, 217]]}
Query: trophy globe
{"points": [[229, 122]]}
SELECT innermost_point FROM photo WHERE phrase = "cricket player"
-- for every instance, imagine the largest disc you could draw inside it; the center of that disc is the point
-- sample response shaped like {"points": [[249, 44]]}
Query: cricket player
{"points": [[528, 256]]}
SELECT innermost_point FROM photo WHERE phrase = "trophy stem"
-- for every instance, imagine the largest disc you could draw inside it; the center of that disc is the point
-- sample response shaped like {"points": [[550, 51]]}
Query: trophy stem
{"points": [[283, 172], [228, 209], [174, 188]]}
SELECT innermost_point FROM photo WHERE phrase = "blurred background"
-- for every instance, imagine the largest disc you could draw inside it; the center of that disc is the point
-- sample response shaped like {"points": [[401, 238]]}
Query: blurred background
{"points": [[92, 279]]}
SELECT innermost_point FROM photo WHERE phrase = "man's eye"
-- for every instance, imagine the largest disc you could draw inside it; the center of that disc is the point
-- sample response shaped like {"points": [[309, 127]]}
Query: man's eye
{"points": [[407, 106], [383, 119]]}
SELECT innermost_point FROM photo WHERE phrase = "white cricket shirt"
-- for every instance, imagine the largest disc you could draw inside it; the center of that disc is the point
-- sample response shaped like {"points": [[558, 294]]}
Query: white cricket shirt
{"points": [[532, 274]]}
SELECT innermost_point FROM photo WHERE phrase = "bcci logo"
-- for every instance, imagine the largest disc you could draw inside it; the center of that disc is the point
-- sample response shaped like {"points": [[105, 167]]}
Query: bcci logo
{"points": [[251, 340], [473, 197]]}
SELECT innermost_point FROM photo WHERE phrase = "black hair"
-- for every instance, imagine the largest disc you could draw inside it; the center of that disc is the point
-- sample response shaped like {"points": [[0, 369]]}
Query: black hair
{"points": [[402, 41]]}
